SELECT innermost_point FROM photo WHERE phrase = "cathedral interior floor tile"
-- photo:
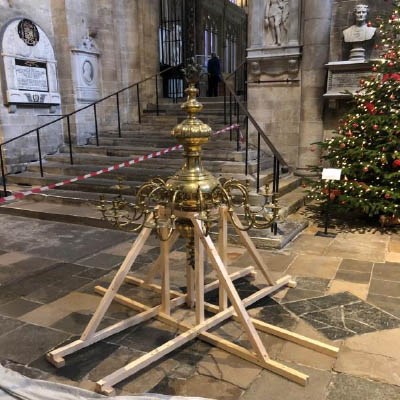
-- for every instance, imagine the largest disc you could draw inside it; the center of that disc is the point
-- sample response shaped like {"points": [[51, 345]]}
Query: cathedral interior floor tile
{"points": [[18, 307], [342, 315], [361, 389], [28, 342]]}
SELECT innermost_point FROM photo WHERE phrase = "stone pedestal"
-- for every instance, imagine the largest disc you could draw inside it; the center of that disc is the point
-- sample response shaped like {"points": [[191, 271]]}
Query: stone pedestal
{"points": [[274, 74]]}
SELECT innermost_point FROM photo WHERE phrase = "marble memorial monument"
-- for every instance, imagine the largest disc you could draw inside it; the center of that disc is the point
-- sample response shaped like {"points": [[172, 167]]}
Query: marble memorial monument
{"points": [[29, 72], [358, 39]]}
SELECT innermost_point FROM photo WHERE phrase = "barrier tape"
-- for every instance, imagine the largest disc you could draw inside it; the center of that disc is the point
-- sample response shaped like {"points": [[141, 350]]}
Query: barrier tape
{"points": [[21, 195]]}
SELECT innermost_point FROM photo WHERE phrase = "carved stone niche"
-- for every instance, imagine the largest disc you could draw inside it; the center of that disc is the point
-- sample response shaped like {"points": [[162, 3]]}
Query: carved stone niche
{"points": [[275, 31], [29, 72], [86, 70]]}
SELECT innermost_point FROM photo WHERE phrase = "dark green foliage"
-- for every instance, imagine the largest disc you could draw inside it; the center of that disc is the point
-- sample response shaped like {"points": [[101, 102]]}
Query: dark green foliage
{"points": [[366, 145]]}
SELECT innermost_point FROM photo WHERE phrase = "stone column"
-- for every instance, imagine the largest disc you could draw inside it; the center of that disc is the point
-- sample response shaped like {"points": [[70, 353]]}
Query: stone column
{"points": [[316, 33]]}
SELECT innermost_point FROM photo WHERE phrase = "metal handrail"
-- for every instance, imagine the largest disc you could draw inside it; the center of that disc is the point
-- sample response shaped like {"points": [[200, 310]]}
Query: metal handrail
{"points": [[68, 116], [278, 161], [85, 107]]}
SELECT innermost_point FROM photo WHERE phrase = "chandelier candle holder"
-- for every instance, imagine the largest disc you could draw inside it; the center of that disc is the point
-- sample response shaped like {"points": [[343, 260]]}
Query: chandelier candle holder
{"points": [[187, 205]]}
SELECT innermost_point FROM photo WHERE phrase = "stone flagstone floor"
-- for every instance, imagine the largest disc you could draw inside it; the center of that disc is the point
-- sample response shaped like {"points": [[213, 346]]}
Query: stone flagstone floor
{"points": [[348, 294]]}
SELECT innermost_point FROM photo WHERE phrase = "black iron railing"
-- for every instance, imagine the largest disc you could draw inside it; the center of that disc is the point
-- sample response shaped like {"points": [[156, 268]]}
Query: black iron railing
{"points": [[67, 118], [235, 97]]}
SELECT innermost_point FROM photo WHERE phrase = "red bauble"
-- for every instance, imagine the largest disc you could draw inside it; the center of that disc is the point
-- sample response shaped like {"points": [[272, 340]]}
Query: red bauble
{"points": [[395, 77], [369, 23], [391, 64], [362, 81], [355, 125], [349, 133], [374, 69], [370, 107], [342, 145], [396, 163], [375, 127], [387, 196], [365, 169]]}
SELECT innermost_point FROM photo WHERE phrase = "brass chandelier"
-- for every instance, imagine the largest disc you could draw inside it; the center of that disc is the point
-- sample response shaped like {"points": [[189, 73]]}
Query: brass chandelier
{"points": [[191, 189]]}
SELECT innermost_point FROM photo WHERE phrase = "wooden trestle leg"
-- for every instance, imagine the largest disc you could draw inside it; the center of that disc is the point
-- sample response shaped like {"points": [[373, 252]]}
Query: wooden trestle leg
{"points": [[170, 299]]}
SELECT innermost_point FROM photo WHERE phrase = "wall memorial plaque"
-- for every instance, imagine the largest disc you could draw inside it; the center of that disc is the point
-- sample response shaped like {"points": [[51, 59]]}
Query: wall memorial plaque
{"points": [[86, 70], [31, 75], [344, 78], [30, 69]]}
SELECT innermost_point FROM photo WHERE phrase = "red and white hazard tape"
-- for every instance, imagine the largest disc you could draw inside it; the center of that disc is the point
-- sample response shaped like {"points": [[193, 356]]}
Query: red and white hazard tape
{"points": [[21, 195]]}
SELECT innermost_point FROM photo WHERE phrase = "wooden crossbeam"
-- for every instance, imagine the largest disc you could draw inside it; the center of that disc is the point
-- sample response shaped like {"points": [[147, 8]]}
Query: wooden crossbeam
{"points": [[251, 248], [207, 288], [215, 340], [155, 268], [223, 277], [116, 283], [107, 382], [194, 296]]}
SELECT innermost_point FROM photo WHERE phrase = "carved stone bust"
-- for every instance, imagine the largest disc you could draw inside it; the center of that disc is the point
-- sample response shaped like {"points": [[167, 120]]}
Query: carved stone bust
{"points": [[359, 34]]}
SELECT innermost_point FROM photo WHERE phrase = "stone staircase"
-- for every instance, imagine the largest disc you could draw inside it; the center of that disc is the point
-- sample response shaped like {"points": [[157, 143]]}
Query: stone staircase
{"points": [[76, 202]]}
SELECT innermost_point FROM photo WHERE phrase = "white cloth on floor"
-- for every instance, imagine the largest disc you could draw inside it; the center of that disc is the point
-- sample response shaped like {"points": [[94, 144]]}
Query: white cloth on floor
{"points": [[16, 386]]}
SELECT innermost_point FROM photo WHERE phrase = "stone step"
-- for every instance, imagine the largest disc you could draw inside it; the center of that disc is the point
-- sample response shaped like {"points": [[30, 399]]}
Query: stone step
{"points": [[92, 162], [208, 106], [289, 185], [160, 141], [99, 184], [132, 152], [128, 173], [81, 208]]}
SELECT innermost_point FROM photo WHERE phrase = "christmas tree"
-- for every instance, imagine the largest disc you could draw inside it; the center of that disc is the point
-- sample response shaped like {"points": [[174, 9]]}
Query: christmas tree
{"points": [[366, 145]]}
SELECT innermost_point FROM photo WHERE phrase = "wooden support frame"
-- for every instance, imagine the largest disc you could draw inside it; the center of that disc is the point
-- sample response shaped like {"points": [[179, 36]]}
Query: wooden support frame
{"points": [[194, 297]]}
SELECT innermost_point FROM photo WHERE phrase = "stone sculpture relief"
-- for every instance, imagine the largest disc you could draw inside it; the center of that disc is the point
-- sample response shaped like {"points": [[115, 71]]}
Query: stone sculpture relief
{"points": [[276, 19], [86, 70], [360, 34]]}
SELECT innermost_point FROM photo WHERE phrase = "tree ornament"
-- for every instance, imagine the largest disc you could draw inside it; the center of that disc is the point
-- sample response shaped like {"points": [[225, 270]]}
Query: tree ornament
{"points": [[369, 136], [396, 163], [370, 107]]}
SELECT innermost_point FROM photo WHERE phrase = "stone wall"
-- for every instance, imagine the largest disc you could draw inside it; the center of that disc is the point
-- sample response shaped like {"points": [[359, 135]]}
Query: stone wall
{"points": [[274, 90], [125, 33], [26, 117]]}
